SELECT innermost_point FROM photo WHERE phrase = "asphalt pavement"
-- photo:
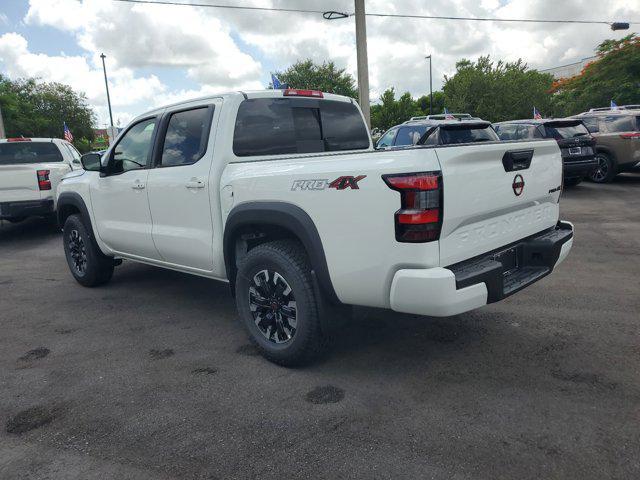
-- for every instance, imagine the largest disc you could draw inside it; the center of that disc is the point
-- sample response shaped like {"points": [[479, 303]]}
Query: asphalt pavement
{"points": [[152, 376]]}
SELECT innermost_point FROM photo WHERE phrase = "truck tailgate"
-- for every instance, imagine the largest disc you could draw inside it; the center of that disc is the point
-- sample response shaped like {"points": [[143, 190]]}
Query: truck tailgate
{"points": [[496, 195], [18, 183]]}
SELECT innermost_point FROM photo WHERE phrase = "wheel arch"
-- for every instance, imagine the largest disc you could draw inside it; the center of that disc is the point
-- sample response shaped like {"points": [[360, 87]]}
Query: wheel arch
{"points": [[70, 203], [276, 219], [609, 151]]}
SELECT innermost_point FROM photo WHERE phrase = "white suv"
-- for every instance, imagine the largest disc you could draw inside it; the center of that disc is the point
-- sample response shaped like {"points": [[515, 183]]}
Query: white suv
{"points": [[281, 194]]}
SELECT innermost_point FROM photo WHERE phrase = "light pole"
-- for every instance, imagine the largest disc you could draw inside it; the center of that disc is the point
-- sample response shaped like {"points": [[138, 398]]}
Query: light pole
{"points": [[363, 63], [430, 87], [106, 84]]}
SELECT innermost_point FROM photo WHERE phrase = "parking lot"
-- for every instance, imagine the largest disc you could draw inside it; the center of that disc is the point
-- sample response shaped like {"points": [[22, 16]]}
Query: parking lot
{"points": [[152, 377]]}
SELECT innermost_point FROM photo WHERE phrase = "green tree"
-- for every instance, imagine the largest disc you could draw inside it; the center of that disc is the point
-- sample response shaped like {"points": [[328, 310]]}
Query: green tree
{"points": [[389, 111], [497, 91], [326, 77], [35, 109], [422, 103], [615, 75]]}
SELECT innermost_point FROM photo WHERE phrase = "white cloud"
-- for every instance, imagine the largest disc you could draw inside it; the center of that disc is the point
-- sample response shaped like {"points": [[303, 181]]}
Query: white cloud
{"points": [[83, 74], [152, 35], [218, 49]]}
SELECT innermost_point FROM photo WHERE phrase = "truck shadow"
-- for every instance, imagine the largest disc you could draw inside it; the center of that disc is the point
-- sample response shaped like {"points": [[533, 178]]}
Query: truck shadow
{"points": [[30, 230]]}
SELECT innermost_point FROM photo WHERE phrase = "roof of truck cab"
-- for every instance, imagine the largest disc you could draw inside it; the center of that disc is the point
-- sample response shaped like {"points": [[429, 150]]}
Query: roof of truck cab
{"points": [[248, 94]]}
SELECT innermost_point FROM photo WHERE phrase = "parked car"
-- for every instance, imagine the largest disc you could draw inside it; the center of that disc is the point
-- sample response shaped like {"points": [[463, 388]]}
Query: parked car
{"points": [[437, 132], [575, 142], [617, 134], [281, 194], [30, 171]]}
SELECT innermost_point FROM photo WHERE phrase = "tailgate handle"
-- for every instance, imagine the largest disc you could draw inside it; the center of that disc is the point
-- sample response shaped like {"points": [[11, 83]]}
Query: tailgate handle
{"points": [[515, 160]]}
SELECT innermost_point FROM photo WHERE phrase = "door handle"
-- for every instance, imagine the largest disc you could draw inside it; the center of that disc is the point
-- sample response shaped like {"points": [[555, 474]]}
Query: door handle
{"points": [[514, 160], [194, 183], [138, 185]]}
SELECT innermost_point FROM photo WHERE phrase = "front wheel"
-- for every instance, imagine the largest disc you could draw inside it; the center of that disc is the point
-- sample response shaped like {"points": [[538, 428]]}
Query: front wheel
{"points": [[88, 265], [606, 169], [277, 303]]}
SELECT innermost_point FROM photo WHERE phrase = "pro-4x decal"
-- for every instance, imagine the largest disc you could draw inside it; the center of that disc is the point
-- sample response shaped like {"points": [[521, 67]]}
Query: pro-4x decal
{"points": [[340, 183]]}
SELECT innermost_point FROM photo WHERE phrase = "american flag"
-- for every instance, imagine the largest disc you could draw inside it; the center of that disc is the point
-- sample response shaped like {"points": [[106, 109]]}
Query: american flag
{"points": [[447, 115], [67, 133], [536, 114]]}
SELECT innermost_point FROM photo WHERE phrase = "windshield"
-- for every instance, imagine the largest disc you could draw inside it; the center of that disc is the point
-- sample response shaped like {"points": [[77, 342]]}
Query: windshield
{"points": [[560, 132], [470, 134], [29, 152]]}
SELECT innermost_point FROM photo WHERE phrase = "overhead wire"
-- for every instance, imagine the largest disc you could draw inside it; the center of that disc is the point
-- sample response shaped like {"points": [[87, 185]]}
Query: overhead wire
{"points": [[336, 15]]}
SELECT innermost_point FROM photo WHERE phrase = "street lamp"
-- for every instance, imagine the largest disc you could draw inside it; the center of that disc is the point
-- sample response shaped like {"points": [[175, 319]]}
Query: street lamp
{"points": [[106, 84], [430, 87]]}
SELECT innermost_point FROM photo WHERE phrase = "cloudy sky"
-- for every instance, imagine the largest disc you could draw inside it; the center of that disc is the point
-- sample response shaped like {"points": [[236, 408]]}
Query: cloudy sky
{"points": [[157, 54]]}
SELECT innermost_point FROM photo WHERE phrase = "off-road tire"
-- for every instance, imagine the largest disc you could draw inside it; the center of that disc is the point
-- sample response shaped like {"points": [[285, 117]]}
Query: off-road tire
{"points": [[98, 268], [289, 260]]}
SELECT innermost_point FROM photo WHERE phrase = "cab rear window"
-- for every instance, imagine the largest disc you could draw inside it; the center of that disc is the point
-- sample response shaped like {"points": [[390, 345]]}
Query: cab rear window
{"points": [[280, 126], [16, 153]]}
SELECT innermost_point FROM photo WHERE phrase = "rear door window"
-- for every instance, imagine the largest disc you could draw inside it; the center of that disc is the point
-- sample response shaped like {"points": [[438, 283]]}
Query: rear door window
{"points": [[280, 126], [410, 135], [12, 153], [507, 131], [470, 134], [529, 132], [186, 139], [620, 123]]}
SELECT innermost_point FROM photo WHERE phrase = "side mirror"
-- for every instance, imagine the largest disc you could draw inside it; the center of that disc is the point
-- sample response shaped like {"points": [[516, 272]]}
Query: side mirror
{"points": [[91, 162]]}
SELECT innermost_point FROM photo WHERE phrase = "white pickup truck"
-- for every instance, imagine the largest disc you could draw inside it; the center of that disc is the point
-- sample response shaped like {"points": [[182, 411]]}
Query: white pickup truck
{"points": [[281, 194], [30, 171]]}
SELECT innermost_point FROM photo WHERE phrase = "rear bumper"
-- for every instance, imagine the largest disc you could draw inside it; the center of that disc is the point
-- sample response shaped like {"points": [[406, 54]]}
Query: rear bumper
{"points": [[26, 208], [580, 168], [442, 292]]}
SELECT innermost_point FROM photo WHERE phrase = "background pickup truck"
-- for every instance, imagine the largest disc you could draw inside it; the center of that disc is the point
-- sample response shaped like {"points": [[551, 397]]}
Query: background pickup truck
{"points": [[30, 171], [281, 194]]}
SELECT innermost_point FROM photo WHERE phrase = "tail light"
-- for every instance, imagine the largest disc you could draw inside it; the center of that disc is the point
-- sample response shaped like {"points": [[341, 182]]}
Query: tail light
{"points": [[630, 136], [43, 180], [293, 92], [420, 216]]}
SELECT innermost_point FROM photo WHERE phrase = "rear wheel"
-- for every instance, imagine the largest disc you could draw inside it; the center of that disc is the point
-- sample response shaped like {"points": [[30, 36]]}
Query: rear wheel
{"points": [[88, 265], [606, 169], [277, 303]]}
